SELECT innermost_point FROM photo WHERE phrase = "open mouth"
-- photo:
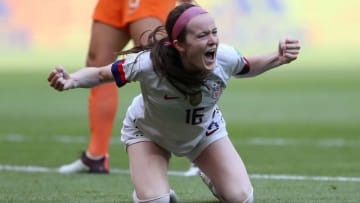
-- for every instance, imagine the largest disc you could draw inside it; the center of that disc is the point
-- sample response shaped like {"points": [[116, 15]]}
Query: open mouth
{"points": [[210, 56]]}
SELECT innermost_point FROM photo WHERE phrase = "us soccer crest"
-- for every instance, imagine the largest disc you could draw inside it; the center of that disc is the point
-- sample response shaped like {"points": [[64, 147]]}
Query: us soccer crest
{"points": [[216, 89]]}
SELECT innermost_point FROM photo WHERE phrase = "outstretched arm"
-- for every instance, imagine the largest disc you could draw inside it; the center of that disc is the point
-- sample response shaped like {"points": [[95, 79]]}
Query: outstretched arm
{"points": [[87, 77], [288, 51]]}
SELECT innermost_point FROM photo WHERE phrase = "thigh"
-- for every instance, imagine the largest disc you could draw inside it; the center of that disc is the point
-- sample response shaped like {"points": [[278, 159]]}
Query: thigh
{"points": [[140, 29], [148, 169], [105, 43], [223, 165]]}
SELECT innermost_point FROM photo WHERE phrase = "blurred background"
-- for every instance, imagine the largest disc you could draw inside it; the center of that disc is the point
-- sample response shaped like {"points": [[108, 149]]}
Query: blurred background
{"points": [[47, 32]]}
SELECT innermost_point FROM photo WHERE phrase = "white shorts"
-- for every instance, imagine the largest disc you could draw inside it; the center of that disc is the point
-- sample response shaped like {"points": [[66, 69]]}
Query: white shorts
{"points": [[131, 134]]}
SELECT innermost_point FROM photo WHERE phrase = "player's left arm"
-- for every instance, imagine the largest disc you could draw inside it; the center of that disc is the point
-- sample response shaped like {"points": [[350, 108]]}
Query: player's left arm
{"points": [[288, 51]]}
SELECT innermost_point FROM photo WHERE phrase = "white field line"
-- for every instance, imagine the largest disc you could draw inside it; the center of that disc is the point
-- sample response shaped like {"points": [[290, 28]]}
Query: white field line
{"points": [[255, 141], [32, 169]]}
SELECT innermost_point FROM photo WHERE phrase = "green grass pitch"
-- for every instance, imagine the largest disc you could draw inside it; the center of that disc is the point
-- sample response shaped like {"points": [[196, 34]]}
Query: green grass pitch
{"points": [[293, 121]]}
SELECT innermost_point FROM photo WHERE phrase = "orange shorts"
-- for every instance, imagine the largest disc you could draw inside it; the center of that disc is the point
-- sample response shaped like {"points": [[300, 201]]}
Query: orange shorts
{"points": [[119, 13]]}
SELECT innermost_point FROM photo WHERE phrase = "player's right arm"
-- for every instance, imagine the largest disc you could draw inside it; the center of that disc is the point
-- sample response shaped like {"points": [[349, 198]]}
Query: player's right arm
{"points": [[87, 77]]}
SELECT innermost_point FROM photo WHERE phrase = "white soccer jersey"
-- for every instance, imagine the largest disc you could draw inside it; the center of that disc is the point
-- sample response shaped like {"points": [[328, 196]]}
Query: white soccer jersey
{"points": [[164, 115]]}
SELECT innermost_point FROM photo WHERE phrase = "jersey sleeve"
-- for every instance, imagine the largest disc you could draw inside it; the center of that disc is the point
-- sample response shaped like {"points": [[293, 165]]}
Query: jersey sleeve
{"points": [[130, 69], [232, 60], [118, 72]]}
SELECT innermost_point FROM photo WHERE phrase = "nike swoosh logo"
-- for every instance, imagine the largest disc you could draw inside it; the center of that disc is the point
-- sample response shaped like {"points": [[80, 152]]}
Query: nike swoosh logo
{"points": [[208, 133], [167, 97]]}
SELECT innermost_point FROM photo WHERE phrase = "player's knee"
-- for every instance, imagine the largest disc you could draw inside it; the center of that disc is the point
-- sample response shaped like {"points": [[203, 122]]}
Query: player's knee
{"points": [[92, 58], [165, 198], [243, 195], [96, 58]]}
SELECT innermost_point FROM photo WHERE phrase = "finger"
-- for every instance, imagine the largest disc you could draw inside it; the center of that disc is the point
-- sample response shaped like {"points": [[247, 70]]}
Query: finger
{"points": [[60, 75], [51, 75], [292, 53], [291, 41], [63, 72], [68, 84], [59, 68], [52, 78], [64, 84], [59, 84], [292, 49], [55, 81], [282, 47], [292, 46], [290, 57]]}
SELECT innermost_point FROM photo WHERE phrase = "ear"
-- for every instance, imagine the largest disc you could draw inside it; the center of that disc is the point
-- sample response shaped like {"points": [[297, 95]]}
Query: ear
{"points": [[178, 46]]}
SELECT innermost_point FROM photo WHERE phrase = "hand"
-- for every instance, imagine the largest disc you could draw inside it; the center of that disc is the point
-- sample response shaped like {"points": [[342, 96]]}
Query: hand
{"points": [[288, 50], [60, 80]]}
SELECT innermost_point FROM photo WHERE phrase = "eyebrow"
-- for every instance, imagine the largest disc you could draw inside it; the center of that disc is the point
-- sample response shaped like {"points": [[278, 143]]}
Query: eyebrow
{"points": [[207, 31]]}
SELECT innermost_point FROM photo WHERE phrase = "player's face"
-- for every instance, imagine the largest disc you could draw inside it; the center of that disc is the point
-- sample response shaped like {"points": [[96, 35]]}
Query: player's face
{"points": [[201, 43]]}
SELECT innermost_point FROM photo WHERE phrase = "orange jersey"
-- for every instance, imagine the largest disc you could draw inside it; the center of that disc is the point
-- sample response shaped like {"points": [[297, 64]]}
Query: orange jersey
{"points": [[119, 13]]}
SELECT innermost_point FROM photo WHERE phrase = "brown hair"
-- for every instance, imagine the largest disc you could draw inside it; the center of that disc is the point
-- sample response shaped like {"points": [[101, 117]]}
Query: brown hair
{"points": [[166, 59]]}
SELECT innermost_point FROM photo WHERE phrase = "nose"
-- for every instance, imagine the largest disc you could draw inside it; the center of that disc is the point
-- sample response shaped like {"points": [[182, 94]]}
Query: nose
{"points": [[213, 39]]}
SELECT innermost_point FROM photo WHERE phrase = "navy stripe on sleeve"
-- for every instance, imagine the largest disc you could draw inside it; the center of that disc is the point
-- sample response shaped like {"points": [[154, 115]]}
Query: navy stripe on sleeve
{"points": [[246, 68], [118, 72]]}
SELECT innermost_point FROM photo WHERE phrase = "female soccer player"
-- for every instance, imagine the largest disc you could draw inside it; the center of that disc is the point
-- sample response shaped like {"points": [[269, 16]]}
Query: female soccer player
{"points": [[114, 24], [182, 76]]}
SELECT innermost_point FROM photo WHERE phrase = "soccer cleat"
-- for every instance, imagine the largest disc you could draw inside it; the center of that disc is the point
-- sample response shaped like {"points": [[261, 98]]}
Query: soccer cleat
{"points": [[86, 165], [192, 171], [173, 198]]}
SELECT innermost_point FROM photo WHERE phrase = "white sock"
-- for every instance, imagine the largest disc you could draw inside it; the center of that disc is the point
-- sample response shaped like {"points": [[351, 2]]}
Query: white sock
{"points": [[250, 198], [93, 157], [161, 199]]}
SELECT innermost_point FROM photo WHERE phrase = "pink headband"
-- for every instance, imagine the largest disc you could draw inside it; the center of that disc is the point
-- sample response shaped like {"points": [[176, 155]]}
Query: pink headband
{"points": [[184, 19]]}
